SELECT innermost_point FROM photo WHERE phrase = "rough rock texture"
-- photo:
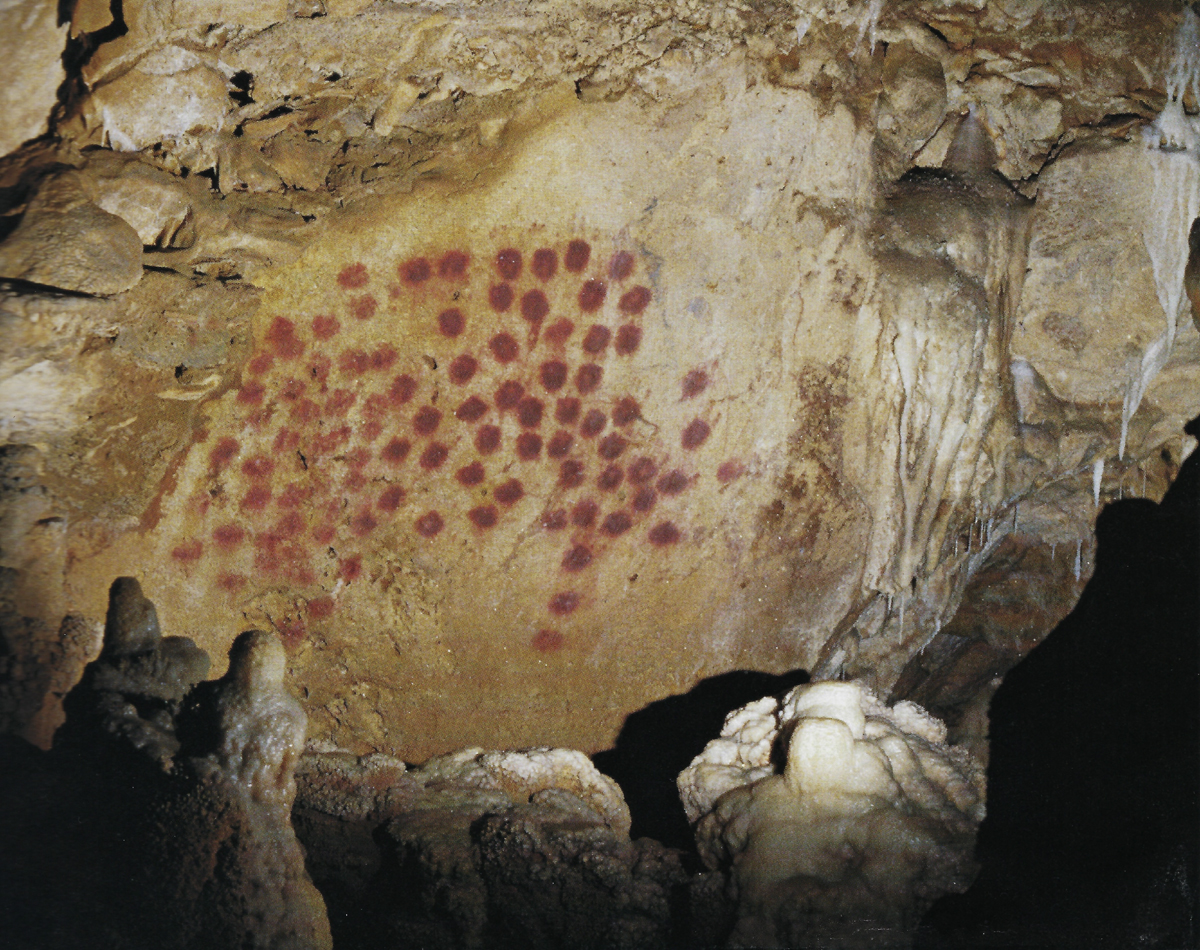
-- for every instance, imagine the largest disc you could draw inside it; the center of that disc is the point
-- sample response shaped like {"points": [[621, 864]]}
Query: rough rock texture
{"points": [[871, 818], [476, 348], [487, 849], [31, 46]]}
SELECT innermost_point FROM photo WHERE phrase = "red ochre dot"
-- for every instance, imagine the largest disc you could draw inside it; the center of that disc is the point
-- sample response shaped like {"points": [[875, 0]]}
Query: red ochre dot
{"points": [[578, 255], [251, 393], [629, 338], [354, 362], [553, 375], [618, 522], [429, 524], [570, 474], [231, 582], [508, 263], [663, 533], [451, 322], [611, 446], [304, 412], [383, 356], [325, 326], [587, 378], [487, 439], [626, 411], [285, 441], [577, 558], [472, 409], [547, 641], [188, 551], [434, 456], [470, 475], [673, 482], [534, 307], [510, 492], [584, 514], [228, 536], [500, 297], [402, 390], [559, 444], [593, 424], [597, 339], [484, 516], [544, 264], [363, 523], [294, 496], [529, 412], [396, 451], [261, 363], [728, 471], [634, 301], [610, 478], [416, 271], [563, 603], [324, 533], [292, 389], [463, 369], [364, 307], [453, 264], [694, 383], [391, 498], [567, 410], [695, 434], [350, 568], [426, 420], [339, 402], [558, 332], [620, 265], [508, 396], [354, 481], [504, 348], [221, 453], [290, 525], [355, 275], [529, 446], [319, 608], [554, 520], [256, 499], [592, 294], [644, 500]]}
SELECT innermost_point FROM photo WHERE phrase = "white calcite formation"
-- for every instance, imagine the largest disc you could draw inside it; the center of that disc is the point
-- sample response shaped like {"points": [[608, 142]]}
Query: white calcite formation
{"points": [[871, 817]]}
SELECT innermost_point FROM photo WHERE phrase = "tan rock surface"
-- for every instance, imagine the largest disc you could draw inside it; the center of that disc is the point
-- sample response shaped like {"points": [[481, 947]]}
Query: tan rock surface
{"points": [[31, 49], [843, 383]]}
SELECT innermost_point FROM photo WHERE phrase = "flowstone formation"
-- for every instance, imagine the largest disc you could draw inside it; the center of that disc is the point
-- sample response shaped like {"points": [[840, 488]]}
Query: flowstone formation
{"points": [[871, 818]]}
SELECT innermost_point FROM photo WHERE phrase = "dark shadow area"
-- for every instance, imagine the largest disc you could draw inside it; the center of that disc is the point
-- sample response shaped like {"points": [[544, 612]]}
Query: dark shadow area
{"points": [[1093, 823], [658, 742]]}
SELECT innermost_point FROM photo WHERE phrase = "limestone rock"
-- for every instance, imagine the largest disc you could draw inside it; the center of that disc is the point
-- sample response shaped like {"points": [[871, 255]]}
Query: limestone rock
{"points": [[32, 50], [67, 241]]}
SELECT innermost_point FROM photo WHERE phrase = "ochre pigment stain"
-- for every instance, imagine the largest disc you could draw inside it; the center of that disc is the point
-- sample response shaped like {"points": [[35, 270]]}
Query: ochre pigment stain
{"points": [[346, 429]]}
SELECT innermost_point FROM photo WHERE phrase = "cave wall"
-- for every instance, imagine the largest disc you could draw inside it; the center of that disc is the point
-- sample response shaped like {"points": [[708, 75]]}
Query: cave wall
{"points": [[523, 364]]}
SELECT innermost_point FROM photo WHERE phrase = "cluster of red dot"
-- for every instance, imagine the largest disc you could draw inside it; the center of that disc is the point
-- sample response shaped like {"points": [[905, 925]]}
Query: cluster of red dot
{"points": [[336, 438]]}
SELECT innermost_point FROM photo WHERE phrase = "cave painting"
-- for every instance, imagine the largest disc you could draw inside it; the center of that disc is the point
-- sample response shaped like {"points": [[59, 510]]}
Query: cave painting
{"points": [[441, 396]]}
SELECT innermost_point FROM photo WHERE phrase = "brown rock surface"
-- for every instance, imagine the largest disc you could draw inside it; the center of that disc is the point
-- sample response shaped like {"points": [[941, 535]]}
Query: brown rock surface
{"points": [[522, 366]]}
